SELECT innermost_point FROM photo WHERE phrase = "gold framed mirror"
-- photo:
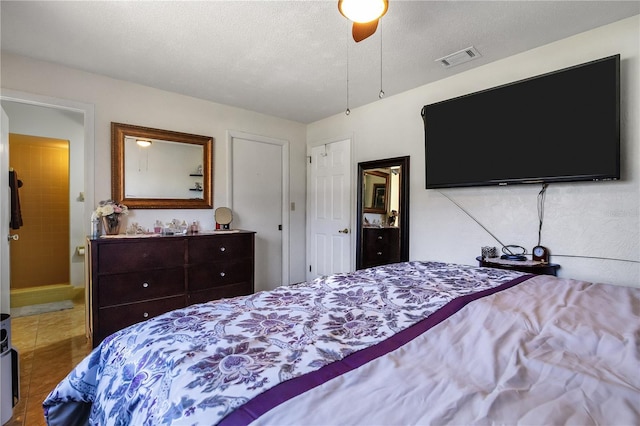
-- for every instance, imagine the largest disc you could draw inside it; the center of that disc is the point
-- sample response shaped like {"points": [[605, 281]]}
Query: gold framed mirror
{"points": [[160, 169]]}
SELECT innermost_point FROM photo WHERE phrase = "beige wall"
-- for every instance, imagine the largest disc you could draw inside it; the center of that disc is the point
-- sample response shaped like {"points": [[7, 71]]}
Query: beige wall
{"points": [[124, 102], [41, 258], [594, 226]]}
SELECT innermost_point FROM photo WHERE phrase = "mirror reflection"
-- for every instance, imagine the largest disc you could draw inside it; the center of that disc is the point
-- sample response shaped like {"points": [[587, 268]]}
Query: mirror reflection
{"points": [[383, 212], [162, 169], [376, 188], [153, 168]]}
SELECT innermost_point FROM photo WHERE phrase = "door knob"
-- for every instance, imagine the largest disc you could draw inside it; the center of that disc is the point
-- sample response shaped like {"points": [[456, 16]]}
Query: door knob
{"points": [[14, 237], [344, 231]]}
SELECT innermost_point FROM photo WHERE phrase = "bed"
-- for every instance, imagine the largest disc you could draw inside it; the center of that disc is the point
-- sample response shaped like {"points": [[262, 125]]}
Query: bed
{"points": [[408, 343]]}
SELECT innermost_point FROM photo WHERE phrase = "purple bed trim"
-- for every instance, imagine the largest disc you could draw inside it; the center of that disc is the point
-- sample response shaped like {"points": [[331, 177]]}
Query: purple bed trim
{"points": [[291, 388]]}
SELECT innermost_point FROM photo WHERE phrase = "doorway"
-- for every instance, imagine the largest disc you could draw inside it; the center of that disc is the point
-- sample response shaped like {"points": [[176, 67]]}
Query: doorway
{"points": [[46, 121], [41, 166], [28, 113]]}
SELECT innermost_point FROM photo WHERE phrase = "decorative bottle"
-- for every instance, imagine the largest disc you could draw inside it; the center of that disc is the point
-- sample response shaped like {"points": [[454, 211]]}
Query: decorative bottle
{"points": [[95, 225]]}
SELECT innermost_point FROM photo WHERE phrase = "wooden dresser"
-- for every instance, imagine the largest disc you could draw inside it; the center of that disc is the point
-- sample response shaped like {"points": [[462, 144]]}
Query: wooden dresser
{"points": [[135, 278], [380, 246]]}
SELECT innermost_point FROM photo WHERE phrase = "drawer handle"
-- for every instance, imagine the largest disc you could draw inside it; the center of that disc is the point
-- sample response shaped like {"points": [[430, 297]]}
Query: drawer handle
{"points": [[379, 253], [223, 249], [145, 285], [222, 274], [379, 237], [146, 315]]}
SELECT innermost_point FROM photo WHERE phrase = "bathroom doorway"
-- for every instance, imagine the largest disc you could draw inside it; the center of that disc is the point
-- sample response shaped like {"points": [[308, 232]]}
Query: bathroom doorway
{"points": [[41, 166], [47, 153]]}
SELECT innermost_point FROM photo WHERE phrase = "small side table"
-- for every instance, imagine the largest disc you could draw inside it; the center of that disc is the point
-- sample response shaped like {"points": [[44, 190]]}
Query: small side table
{"points": [[537, 269]]}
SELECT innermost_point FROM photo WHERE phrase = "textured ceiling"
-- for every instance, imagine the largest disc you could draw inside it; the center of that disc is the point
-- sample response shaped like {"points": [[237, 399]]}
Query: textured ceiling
{"points": [[286, 58]]}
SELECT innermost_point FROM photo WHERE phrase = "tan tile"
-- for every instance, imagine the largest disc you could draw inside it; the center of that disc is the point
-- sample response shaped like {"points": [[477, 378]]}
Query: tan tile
{"points": [[52, 363], [25, 359], [25, 383], [58, 328], [16, 420], [48, 338], [34, 415], [22, 342], [24, 331], [50, 346], [27, 322], [46, 384]]}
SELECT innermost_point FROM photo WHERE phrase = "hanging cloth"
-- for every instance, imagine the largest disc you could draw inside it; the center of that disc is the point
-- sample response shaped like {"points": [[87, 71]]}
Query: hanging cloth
{"points": [[16, 213]]}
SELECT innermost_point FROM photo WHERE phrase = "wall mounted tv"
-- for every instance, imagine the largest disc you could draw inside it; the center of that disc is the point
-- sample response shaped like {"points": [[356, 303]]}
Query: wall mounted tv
{"points": [[562, 126]]}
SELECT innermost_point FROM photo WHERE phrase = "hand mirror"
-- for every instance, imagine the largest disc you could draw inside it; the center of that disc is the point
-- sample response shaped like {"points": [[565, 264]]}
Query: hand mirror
{"points": [[223, 216]]}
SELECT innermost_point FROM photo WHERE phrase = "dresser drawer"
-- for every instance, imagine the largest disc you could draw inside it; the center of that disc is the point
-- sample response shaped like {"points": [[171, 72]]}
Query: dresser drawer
{"points": [[117, 289], [135, 255], [220, 247], [215, 274], [380, 246], [115, 318], [232, 290], [381, 235]]}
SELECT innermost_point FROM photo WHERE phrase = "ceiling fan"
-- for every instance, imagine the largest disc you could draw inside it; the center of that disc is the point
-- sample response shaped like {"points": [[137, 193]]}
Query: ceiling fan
{"points": [[364, 14]]}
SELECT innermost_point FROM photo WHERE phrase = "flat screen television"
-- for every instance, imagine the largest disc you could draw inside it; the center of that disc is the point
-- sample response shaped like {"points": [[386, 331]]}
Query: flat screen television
{"points": [[561, 126]]}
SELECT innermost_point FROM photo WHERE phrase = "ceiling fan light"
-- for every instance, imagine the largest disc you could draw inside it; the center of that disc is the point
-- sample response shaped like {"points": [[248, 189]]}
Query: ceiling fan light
{"points": [[362, 11]]}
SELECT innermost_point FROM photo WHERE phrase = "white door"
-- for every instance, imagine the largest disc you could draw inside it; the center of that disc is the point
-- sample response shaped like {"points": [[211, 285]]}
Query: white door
{"points": [[5, 286], [5, 276], [259, 188], [329, 192]]}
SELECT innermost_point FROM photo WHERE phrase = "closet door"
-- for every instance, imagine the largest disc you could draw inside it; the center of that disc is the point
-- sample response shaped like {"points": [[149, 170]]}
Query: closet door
{"points": [[257, 203]]}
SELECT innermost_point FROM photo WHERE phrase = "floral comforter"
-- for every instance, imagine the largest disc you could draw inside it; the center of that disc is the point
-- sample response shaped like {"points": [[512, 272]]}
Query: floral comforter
{"points": [[197, 365]]}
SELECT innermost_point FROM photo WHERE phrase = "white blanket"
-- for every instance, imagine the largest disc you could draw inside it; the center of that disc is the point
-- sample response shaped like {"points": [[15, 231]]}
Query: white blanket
{"points": [[548, 351]]}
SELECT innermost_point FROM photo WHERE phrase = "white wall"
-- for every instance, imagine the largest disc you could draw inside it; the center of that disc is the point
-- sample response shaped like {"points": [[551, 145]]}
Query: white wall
{"points": [[124, 102], [34, 120], [586, 220]]}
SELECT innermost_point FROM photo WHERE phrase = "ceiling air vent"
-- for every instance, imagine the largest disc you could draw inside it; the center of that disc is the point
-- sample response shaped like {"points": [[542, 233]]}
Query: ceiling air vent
{"points": [[459, 57]]}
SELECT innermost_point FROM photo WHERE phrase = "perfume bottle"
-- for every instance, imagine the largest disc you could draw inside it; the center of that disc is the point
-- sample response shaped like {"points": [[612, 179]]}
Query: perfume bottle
{"points": [[95, 225]]}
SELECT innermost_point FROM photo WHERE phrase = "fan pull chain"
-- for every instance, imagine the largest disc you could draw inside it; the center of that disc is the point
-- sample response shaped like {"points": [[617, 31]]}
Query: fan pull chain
{"points": [[347, 111], [381, 94]]}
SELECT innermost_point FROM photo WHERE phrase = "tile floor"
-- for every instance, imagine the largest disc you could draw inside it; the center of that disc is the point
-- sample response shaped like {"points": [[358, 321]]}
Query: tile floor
{"points": [[50, 345]]}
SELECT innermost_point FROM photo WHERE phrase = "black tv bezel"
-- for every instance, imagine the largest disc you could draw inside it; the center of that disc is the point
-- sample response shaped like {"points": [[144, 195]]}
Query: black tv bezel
{"points": [[546, 179]]}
